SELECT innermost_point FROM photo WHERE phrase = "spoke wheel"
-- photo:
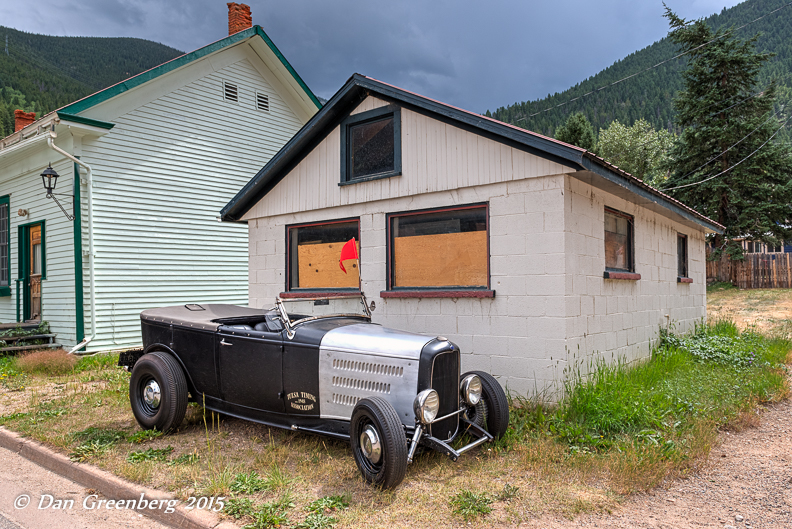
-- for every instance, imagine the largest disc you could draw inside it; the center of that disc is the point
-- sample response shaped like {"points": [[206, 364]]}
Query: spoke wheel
{"points": [[496, 405]]}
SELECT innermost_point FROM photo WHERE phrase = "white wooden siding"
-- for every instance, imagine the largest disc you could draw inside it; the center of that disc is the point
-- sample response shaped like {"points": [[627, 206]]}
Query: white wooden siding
{"points": [[161, 177], [435, 157], [22, 181]]}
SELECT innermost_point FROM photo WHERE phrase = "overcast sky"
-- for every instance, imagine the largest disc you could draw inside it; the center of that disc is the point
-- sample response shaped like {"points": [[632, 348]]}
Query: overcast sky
{"points": [[473, 54]]}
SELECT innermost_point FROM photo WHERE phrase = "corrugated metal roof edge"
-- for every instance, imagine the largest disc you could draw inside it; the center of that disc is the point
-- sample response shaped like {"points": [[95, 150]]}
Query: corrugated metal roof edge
{"points": [[260, 184]]}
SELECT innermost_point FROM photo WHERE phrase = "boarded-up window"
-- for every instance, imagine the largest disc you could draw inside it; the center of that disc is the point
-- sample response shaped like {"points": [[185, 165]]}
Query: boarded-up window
{"points": [[618, 241], [5, 264], [313, 252], [682, 255], [371, 148], [440, 249]]}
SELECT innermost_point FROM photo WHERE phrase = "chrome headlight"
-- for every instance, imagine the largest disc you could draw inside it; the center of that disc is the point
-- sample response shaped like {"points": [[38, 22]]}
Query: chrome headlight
{"points": [[471, 389], [426, 406]]}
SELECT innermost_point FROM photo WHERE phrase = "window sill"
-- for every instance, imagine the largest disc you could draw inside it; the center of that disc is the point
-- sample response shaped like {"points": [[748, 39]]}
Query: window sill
{"points": [[379, 176], [437, 294], [5, 292], [318, 294], [628, 276], [684, 279]]}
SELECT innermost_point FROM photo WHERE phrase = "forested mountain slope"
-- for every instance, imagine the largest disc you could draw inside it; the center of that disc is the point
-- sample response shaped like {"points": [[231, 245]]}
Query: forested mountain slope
{"points": [[39, 73], [649, 95]]}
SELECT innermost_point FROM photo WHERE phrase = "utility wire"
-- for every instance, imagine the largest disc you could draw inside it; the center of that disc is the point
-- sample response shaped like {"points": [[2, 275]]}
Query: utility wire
{"points": [[775, 114], [653, 137], [733, 166], [656, 65]]}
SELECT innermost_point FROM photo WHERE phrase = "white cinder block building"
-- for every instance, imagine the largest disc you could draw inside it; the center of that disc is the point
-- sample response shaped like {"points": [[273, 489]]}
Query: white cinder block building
{"points": [[167, 149], [529, 253]]}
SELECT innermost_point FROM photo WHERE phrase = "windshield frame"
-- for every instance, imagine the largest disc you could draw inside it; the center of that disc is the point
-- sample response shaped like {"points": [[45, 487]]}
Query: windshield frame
{"points": [[291, 325]]}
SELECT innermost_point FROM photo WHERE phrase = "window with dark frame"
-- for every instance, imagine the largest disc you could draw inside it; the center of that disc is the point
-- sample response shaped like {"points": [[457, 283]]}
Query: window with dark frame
{"points": [[439, 249], [682, 255], [5, 246], [371, 145], [312, 256], [618, 241]]}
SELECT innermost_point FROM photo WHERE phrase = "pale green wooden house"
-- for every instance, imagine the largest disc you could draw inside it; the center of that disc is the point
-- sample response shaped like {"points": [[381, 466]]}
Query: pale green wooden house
{"points": [[166, 150]]}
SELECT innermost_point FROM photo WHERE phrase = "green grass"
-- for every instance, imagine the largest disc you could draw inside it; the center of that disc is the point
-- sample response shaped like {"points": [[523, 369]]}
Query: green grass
{"points": [[143, 435], [712, 375], [328, 503], [470, 505], [150, 454], [249, 482], [720, 287]]}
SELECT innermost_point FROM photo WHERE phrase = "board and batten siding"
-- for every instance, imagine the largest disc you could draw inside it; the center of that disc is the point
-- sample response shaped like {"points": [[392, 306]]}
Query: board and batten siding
{"points": [[435, 157], [22, 180], [161, 177]]}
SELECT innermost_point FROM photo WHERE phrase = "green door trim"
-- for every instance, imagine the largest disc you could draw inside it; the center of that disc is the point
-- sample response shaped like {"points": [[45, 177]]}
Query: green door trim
{"points": [[23, 249], [6, 291]]}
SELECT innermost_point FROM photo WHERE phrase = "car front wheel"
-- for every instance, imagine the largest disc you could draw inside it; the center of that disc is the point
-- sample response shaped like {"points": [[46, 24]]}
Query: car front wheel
{"points": [[492, 411], [158, 392], [379, 444]]}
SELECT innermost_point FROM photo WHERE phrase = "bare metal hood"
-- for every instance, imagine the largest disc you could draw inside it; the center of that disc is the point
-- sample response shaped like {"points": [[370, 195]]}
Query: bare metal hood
{"points": [[375, 340]]}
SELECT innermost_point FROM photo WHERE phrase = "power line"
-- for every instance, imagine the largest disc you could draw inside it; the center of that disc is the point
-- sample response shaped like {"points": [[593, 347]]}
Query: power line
{"points": [[653, 137], [732, 146], [655, 66], [733, 166]]}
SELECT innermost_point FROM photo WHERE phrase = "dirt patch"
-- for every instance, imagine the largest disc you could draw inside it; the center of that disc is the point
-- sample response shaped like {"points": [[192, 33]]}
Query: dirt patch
{"points": [[768, 311]]}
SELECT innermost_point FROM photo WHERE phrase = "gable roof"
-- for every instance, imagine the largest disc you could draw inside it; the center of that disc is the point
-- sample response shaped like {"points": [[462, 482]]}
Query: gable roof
{"points": [[72, 110], [358, 87], [144, 77]]}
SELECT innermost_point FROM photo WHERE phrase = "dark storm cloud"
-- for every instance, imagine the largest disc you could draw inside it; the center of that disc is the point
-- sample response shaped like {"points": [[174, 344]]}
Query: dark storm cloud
{"points": [[477, 55]]}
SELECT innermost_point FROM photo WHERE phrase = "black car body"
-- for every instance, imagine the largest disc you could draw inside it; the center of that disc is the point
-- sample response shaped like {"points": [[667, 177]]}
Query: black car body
{"points": [[312, 374]]}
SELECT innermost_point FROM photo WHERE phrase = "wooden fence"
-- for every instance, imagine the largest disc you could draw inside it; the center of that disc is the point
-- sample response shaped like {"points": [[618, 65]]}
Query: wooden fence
{"points": [[757, 270]]}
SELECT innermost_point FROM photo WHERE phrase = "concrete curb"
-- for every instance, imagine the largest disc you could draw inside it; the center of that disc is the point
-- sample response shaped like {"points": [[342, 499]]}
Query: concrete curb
{"points": [[110, 486]]}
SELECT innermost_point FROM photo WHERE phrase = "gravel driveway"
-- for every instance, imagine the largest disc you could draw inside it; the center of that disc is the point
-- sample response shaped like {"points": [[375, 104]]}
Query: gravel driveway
{"points": [[747, 484]]}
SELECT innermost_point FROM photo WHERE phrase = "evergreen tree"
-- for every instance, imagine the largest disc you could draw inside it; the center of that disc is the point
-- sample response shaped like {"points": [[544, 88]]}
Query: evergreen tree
{"points": [[578, 131], [740, 176], [640, 150]]}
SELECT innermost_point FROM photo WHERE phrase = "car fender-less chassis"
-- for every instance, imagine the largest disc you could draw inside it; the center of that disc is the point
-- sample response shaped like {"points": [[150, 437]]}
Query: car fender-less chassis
{"points": [[385, 390]]}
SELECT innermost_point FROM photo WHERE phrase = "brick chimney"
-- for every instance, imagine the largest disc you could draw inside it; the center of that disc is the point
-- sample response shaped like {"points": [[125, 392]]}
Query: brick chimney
{"points": [[22, 119], [239, 17]]}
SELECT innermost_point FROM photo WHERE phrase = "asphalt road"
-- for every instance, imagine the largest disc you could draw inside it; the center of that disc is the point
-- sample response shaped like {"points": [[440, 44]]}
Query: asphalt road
{"points": [[19, 478]]}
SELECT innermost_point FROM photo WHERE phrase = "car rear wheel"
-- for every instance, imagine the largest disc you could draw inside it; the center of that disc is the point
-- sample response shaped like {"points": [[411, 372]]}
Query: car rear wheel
{"points": [[158, 392], [379, 443], [495, 410]]}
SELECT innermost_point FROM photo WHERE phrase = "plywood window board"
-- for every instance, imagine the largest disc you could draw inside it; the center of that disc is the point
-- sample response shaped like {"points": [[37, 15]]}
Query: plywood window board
{"points": [[445, 248], [314, 250]]}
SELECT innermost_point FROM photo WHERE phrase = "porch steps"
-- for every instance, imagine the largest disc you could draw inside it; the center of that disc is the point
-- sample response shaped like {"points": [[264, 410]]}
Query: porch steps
{"points": [[21, 339], [30, 347]]}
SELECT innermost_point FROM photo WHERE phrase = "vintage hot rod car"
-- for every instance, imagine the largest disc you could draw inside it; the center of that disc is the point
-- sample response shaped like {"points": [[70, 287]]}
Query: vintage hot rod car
{"points": [[320, 369]]}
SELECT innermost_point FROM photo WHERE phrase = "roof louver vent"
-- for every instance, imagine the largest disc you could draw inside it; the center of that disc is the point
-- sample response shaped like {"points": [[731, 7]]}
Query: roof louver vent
{"points": [[230, 92], [262, 102]]}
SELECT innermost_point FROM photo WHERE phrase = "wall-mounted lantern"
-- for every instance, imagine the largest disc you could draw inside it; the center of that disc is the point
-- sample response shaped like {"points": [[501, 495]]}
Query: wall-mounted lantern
{"points": [[50, 179]]}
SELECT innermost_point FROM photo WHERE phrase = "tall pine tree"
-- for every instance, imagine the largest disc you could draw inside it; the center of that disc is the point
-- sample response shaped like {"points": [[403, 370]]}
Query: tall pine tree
{"points": [[578, 131], [727, 128]]}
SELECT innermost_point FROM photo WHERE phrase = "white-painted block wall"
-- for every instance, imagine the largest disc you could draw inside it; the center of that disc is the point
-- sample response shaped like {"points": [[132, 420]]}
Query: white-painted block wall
{"points": [[552, 309]]}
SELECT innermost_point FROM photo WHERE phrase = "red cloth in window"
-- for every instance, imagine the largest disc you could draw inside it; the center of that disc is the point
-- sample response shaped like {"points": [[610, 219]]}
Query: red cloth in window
{"points": [[349, 251]]}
